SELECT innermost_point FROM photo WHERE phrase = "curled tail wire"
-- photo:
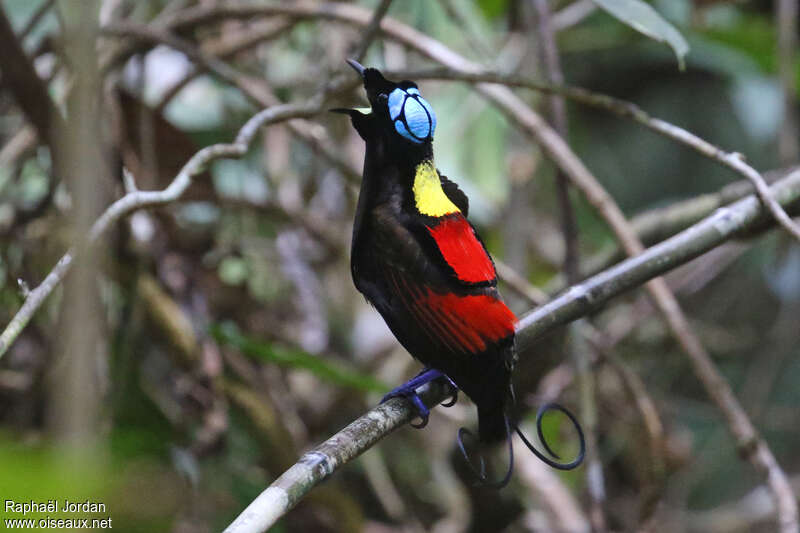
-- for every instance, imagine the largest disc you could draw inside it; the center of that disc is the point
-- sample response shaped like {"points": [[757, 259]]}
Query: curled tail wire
{"points": [[546, 460], [480, 471]]}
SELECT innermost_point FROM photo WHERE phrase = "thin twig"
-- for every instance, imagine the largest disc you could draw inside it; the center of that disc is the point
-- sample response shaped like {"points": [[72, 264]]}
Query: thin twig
{"points": [[372, 30], [225, 49], [754, 449], [573, 14], [558, 118], [786, 14], [595, 482], [141, 199], [29, 90], [663, 222], [724, 224], [578, 347], [321, 462], [37, 16], [254, 89], [732, 160]]}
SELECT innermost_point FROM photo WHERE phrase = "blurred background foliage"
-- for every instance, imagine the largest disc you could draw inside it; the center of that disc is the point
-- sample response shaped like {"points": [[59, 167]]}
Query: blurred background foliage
{"points": [[233, 339]]}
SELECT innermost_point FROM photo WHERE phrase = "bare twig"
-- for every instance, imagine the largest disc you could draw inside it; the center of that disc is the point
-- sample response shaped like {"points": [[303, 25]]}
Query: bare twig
{"points": [[786, 14], [17, 145], [36, 17], [595, 482], [372, 29], [753, 448], [356, 438], [254, 89], [319, 463], [573, 14], [519, 284], [141, 199], [748, 513], [662, 222], [732, 160], [558, 118], [29, 91], [544, 484], [725, 223], [225, 49], [578, 347]]}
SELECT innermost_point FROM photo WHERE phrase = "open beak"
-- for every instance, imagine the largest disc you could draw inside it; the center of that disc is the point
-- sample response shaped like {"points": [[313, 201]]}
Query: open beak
{"points": [[358, 67]]}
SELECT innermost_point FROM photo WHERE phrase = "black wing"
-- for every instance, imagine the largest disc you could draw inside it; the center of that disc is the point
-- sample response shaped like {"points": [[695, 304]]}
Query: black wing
{"points": [[455, 194]]}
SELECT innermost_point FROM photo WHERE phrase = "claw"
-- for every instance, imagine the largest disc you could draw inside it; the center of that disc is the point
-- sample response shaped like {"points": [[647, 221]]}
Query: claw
{"points": [[452, 400], [422, 423], [409, 390], [422, 412], [454, 397]]}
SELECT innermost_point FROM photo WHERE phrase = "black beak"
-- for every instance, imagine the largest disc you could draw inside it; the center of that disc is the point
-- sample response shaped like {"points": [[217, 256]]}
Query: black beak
{"points": [[358, 67]]}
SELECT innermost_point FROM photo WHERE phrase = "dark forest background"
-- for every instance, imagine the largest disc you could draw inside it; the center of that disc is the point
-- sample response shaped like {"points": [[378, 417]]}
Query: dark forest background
{"points": [[196, 352]]}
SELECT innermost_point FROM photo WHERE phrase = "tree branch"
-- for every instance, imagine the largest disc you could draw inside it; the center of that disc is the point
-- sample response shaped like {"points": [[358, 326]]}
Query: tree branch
{"points": [[141, 199], [29, 91], [731, 160], [318, 464], [321, 462], [724, 224], [753, 448]]}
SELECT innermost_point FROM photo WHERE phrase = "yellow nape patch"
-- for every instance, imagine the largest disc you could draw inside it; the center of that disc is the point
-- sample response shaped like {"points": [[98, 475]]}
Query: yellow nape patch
{"points": [[428, 193]]}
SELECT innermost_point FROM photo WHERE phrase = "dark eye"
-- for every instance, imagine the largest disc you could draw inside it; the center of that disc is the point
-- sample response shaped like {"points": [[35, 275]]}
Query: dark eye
{"points": [[383, 96]]}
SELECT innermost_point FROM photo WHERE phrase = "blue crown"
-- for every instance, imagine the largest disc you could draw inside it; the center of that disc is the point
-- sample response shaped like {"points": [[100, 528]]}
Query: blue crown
{"points": [[412, 115]]}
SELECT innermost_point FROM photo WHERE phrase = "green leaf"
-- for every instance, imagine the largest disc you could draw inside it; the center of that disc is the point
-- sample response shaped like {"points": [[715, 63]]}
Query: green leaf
{"points": [[337, 374], [644, 19]]}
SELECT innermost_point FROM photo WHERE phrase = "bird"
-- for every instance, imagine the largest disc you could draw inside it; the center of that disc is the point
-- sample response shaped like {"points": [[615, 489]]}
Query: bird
{"points": [[419, 261]]}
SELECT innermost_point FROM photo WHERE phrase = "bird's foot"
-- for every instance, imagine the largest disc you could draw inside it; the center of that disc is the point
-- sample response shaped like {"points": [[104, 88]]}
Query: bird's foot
{"points": [[409, 390]]}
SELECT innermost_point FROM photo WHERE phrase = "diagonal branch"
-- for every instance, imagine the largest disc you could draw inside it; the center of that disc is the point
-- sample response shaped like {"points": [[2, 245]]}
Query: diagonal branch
{"points": [[318, 464], [724, 224], [141, 199], [321, 462], [753, 448], [372, 30], [732, 160], [29, 91]]}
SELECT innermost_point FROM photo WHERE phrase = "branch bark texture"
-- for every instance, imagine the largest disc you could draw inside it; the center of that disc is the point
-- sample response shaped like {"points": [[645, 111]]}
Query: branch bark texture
{"points": [[316, 465]]}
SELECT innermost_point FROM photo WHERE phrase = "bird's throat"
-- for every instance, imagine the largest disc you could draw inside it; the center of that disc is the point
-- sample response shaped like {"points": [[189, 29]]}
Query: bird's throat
{"points": [[429, 196]]}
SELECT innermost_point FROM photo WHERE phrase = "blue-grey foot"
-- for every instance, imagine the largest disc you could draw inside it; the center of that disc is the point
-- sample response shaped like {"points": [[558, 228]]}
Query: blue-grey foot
{"points": [[409, 390]]}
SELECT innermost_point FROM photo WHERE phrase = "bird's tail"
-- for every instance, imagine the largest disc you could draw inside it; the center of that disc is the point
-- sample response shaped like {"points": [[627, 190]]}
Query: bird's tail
{"points": [[492, 427]]}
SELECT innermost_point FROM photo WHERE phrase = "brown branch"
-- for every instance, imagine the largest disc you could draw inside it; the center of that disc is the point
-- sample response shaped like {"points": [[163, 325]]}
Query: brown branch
{"points": [[253, 89], [732, 160], [36, 17], [29, 91], [141, 199], [753, 447], [786, 14], [320, 463], [372, 29], [225, 49], [558, 119], [578, 347]]}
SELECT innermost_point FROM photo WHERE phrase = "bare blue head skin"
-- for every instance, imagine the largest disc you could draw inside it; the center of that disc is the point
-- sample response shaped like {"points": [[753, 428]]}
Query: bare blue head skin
{"points": [[401, 104]]}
